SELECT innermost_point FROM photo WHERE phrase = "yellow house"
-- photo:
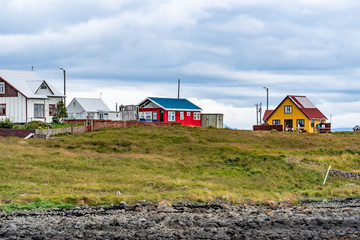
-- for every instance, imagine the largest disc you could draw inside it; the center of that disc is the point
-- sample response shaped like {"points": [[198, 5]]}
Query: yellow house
{"points": [[296, 113]]}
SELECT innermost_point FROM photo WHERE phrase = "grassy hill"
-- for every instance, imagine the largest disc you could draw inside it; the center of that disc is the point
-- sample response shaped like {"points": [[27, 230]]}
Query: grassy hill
{"points": [[176, 164]]}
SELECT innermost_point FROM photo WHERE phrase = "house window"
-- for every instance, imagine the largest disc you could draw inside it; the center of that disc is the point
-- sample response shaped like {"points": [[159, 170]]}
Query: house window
{"points": [[142, 115], [43, 86], [300, 123], [312, 123], [2, 87], [52, 109], [171, 116], [276, 122], [196, 116], [154, 116], [188, 114], [148, 116], [181, 115], [288, 109], [39, 110], [2, 109]]}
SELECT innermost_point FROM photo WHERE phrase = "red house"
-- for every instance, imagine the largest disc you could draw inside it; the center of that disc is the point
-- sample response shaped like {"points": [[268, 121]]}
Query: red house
{"points": [[170, 110]]}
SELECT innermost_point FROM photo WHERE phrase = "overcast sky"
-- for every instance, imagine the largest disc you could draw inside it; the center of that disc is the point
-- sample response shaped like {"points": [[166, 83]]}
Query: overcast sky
{"points": [[224, 52]]}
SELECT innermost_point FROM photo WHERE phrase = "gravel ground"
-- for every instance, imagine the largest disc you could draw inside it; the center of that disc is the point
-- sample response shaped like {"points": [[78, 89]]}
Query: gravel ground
{"points": [[338, 219]]}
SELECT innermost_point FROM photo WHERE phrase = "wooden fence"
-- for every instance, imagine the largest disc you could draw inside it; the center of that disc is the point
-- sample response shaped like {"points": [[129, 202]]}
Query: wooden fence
{"points": [[96, 125], [266, 127], [16, 132]]}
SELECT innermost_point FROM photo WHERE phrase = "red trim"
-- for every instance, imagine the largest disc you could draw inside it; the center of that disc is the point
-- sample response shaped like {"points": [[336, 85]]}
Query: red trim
{"points": [[13, 86], [26, 109], [5, 109], [53, 108]]}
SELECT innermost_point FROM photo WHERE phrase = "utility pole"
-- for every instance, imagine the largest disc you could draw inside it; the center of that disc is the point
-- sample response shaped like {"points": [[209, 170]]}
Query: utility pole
{"points": [[179, 88], [260, 112], [257, 113], [267, 98], [64, 71]]}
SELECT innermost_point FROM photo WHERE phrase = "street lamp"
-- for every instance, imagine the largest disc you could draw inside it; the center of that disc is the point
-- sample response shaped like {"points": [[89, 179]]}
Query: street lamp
{"points": [[267, 98], [64, 85]]}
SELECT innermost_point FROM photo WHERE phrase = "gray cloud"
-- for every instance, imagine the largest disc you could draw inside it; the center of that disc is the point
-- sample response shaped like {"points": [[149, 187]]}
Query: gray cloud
{"points": [[223, 50]]}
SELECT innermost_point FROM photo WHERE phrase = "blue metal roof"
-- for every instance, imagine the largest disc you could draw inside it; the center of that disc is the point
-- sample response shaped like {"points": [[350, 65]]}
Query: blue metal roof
{"points": [[174, 103]]}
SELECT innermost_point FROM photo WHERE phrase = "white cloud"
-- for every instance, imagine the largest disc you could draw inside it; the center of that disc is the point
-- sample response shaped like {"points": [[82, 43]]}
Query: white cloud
{"points": [[225, 51]]}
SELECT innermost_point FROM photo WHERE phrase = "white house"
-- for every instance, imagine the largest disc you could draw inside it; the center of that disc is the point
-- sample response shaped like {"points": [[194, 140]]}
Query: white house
{"points": [[26, 97], [90, 108]]}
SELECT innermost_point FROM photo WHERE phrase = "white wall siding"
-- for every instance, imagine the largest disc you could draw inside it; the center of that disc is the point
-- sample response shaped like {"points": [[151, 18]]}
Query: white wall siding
{"points": [[31, 105], [75, 110], [15, 108]]}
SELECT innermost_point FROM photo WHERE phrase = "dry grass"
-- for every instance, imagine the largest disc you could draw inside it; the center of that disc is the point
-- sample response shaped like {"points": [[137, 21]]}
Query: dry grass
{"points": [[176, 164]]}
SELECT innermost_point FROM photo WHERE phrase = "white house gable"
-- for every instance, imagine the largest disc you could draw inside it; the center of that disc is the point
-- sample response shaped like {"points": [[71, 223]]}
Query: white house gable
{"points": [[75, 110], [151, 105], [25, 96], [44, 89]]}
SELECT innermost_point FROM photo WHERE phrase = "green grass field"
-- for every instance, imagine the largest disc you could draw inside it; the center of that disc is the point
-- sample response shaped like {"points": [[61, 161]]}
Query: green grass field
{"points": [[176, 164]]}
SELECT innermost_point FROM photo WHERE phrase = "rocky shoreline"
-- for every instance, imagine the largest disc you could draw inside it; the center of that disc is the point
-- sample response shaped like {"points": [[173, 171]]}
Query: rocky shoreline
{"points": [[336, 219]]}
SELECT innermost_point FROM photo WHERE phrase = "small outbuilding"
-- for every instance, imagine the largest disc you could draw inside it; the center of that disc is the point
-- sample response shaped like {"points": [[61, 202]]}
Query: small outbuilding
{"points": [[129, 112], [212, 120], [170, 110], [90, 108], [356, 128]]}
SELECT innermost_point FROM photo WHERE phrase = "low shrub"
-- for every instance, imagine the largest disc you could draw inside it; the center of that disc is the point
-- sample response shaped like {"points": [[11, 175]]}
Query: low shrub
{"points": [[36, 125], [6, 123]]}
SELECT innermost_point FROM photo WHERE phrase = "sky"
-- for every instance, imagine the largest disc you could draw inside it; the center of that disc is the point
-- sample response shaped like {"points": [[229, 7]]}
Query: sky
{"points": [[224, 52]]}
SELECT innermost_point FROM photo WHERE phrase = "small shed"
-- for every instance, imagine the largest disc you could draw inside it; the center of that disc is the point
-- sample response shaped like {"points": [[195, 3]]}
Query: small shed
{"points": [[356, 128], [212, 120], [129, 112]]}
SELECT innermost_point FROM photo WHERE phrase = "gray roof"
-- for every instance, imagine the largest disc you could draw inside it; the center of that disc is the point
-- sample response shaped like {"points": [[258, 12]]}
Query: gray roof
{"points": [[27, 83], [92, 104]]}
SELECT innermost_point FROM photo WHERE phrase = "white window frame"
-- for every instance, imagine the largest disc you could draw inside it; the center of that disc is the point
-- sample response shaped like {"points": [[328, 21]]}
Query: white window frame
{"points": [[181, 115], [188, 114], [148, 116], [154, 116], [171, 116], [288, 109], [142, 115], [2, 88], [196, 115]]}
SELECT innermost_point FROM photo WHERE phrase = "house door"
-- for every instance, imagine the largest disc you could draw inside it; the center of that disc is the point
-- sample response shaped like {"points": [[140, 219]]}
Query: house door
{"points": [[161, 115], [288, 124]]}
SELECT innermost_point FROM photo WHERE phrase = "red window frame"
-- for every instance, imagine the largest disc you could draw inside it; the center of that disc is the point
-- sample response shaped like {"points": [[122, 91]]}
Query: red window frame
{"points": [[3, 109], [52, 109]]}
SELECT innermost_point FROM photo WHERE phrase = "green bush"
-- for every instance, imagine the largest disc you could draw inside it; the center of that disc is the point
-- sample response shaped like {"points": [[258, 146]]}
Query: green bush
{"points": [[36, 125], [6, 123]]}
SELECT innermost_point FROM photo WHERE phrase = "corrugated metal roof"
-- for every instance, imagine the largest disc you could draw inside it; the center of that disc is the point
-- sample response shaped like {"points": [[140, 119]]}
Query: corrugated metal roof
{"points": [[302, 101], [26, 82], [92, 104], [174, 103]]}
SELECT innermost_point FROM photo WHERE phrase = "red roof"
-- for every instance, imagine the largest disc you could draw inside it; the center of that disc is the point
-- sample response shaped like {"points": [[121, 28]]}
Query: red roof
{"points": [[267, 114], [304, 104]]}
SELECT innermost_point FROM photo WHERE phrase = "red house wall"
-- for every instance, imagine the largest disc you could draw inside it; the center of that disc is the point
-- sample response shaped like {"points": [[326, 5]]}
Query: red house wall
{"points": [[187, 121]]}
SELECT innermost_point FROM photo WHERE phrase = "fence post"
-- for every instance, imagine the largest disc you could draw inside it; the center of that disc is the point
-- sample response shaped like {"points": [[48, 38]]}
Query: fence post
{"points": [[327, 173]]}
